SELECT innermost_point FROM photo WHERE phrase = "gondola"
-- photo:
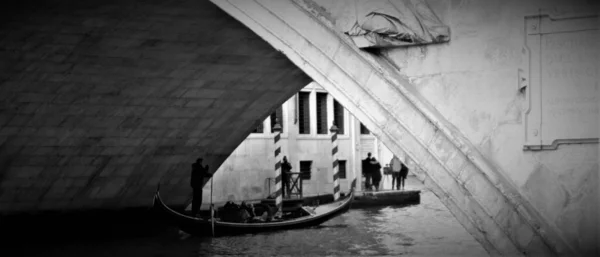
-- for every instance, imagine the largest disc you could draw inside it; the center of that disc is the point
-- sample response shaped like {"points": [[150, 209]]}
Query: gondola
{"points": [[199, 226]]}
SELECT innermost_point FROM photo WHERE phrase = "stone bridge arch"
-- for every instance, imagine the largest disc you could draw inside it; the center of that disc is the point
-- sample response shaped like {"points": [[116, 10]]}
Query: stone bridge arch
{"points": [[479, 195], [100, 101]]}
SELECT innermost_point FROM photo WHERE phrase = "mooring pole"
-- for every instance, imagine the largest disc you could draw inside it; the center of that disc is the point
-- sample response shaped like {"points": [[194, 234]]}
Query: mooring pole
{"points": [[212, 207], [278, 192], [336, 168]]}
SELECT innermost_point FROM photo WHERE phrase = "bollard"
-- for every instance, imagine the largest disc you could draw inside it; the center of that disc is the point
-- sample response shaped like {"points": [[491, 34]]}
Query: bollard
{"points": [[278, 157], [336, 168]]}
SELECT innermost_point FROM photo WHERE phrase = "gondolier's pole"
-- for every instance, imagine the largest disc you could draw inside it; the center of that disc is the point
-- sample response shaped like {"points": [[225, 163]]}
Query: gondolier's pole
{"points": [[278, 193], [336, 168], [212, 207]]}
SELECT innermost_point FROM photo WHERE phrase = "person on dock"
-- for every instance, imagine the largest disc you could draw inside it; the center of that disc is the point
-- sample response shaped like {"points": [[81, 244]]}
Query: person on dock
{"points": [[366, 171], [403, 174], [199, 174], [286, 168], [396, 166], [375, 173]]}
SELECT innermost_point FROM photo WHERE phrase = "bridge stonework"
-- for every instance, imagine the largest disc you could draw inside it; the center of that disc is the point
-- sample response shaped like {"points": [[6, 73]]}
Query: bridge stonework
{"points": [[485, 193], [102, 100]]}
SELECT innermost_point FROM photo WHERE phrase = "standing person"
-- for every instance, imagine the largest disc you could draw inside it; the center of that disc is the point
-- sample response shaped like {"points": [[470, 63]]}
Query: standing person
{"points": [[396, 167], [366, 171], [403, 174], [375, 173], [286, 168], [199, 174]]}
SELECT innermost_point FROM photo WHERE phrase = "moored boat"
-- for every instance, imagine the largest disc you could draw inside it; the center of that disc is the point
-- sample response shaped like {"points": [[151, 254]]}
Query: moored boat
{"points": [[198, 226]]}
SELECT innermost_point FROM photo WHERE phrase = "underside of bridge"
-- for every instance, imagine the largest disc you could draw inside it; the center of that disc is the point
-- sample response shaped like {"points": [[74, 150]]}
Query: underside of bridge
{"points": [[101, 100]]}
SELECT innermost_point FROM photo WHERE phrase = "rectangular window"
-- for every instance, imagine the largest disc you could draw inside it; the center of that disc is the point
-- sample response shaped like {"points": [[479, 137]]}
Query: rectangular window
{"points": [[259, 128], [342, 169], [303, 113], [277, 115], [364, 130], [338, 116], [322, 113], [305, 169]]}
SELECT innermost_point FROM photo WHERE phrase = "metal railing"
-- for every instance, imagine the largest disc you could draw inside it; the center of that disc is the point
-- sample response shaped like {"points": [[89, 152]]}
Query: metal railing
{"points": [[295, 186]]}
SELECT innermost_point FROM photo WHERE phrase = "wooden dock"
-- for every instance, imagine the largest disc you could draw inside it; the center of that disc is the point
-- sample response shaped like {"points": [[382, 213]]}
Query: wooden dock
{"points": [[386, 198], [362, 199], [371, 199]]}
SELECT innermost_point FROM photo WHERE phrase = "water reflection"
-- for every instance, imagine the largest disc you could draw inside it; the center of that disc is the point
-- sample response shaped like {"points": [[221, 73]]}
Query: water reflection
{"points": [[426, 229]]}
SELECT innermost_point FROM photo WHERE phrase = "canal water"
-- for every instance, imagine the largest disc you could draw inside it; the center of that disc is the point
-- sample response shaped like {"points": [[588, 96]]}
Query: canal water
{"points": [[425, 229]]}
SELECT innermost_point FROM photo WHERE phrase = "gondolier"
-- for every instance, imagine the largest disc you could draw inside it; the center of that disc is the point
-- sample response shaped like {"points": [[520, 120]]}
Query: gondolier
{"points": [[199, 174]]}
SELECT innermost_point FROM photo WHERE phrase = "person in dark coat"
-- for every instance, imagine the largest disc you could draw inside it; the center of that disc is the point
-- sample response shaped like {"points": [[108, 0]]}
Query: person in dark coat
{"points": [[286, 168], [376, 173], [366, 171], [403, 175], [199, 174]]}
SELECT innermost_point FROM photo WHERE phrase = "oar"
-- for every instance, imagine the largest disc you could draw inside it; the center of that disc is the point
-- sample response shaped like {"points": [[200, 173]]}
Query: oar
{"points": [[212, 207]]}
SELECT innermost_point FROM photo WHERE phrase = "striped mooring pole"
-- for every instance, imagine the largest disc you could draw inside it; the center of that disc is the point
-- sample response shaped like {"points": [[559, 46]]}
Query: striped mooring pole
{"points": [[336, 168], [278, 157]]}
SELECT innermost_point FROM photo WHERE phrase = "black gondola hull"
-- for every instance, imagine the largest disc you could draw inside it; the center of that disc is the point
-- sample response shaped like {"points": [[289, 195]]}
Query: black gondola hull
{"points": [[197, 226]]}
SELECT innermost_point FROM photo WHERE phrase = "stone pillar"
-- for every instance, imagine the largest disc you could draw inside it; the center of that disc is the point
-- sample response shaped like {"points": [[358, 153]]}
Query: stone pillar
{"points": [[278, 192], [334, 150]]}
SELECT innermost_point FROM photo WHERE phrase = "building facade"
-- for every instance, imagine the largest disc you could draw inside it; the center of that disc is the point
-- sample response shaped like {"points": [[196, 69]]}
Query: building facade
{"points": [[306, 119]]}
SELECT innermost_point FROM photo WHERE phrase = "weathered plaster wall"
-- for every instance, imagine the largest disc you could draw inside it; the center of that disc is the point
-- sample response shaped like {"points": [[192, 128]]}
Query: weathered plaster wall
{"points": [[472, 81]]}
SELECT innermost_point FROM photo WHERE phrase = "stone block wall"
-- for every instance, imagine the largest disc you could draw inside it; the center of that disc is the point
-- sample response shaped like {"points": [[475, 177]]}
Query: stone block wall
{"points": [[102, 100]]}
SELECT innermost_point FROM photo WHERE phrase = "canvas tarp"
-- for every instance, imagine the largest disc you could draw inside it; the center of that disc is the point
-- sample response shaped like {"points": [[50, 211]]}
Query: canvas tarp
{"points": [[390, 23]]}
